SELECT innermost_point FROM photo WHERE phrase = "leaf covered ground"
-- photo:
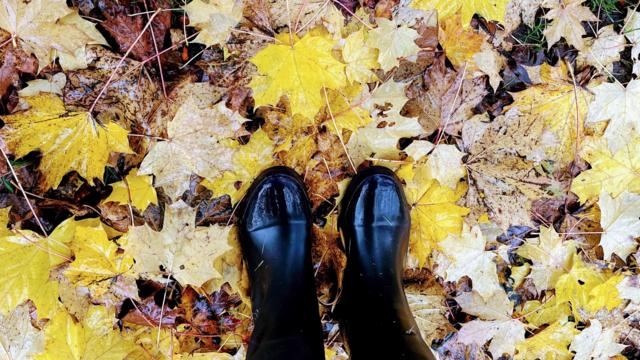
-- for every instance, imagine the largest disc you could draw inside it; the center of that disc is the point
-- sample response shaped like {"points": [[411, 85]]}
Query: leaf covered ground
{"points": [[131, 130]]}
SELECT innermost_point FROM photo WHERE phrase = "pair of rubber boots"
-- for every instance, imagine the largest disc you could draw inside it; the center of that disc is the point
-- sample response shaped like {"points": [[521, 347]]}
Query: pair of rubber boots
{"points": [[275, 225]]}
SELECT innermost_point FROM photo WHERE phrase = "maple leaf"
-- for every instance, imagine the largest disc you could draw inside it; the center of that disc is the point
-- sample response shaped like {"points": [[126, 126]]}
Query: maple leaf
{"points": [[135, 189], [551, 257], [40, 28], [344, 110], [445, 165], [248, 161], [630, 31], [460, 43], [393, 42], [489, 9], [537, 313], [214, 19], [195, 145], [494, 324], [19, 340], [446, 99], [566, 22], [68, 140], [561, 105], [380, 139], [96, 259], [298, 70], [604, 50], [388, 99], [26, 260], [617, 104], [596, 342], [359, 57], [469, 258], [501, 181], [434, 213], [610, 172], [550, 343], [620, 220], [185, 251], [629, 288], [94, 338], [490, 62], [576, 285]]}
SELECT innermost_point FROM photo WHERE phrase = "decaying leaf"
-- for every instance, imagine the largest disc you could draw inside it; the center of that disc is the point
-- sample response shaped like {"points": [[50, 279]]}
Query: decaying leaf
{"points": [[19, 340]]}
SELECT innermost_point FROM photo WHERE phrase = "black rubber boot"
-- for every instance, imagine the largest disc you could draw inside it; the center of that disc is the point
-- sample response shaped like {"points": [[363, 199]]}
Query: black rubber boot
{"points": [[375, 223], [275, 225]]}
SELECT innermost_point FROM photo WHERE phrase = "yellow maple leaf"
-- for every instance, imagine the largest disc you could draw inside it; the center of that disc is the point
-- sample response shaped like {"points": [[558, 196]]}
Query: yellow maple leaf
{"points": [[184, 250], [610, 172], [68, 140], [135, 189], [4, 221], [537, 313], [214, 19], [343, 112], [576, 286], [48, 29], [96, 259], [26, 260], [551, 257], [434, 213], [393, 42], [605, 295], [94, 338], [489, 9], [359, 57], [299, 70], [460, 43], [248, 161], [562, 106], [550, 343], [196, 144]]}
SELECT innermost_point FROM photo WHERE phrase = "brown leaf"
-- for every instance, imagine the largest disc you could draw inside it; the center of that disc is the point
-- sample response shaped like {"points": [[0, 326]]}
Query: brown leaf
{"points": [[125, 27], [14, 63], [445, 98]]}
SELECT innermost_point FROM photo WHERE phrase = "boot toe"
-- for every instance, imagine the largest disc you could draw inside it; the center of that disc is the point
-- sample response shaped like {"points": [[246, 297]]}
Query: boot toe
{"points": [[376, 198], [277, 197]]}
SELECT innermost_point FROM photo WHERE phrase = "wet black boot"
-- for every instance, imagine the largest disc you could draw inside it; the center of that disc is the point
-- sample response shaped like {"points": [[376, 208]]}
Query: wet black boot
{"points": [[275, 224], [375, 223]]}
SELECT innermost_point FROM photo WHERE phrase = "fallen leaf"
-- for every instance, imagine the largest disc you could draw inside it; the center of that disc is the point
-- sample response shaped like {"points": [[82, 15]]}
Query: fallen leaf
{"points": [[469, 258], [596, 342], [298, 70], [214, 19], [195, 145], [566, 22], [551, 257], [94, 338], [359, 57], [68, 140], [613, 172], [616, 103], [183, 250], [604, 50], [393, 42], [135, 189], [19, 340], [620, 222], [247, 162], [489, 9], [27, 259], [445, 165], [460, 44], [550, 343], [38, 28]]}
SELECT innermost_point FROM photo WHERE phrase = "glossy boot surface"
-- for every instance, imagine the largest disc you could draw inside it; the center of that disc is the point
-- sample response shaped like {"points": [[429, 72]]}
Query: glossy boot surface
{"points": [[275, 225], [375, 223]]}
